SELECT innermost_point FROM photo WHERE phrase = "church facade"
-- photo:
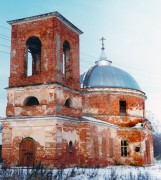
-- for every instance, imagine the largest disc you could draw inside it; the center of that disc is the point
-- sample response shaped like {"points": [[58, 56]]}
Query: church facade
{"points": [[51, 120]]}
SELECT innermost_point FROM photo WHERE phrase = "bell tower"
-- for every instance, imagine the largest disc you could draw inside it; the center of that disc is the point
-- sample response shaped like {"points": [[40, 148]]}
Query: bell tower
{"points": [[44, 68]]}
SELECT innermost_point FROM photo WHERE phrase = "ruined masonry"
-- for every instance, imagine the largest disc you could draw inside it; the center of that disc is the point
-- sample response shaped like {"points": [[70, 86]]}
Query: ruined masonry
{"points": [[58, 121]]}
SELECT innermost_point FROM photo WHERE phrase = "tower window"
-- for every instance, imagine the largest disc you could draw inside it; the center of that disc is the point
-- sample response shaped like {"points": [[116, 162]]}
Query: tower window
{"points": [[70, 147], [66, 53], [123, 107], [124, 144], [33, 46], [31, 101], [68, 103]]}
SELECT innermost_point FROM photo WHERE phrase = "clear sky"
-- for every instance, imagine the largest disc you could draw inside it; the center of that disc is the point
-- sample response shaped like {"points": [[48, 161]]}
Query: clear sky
{"points": [[132, 29]]}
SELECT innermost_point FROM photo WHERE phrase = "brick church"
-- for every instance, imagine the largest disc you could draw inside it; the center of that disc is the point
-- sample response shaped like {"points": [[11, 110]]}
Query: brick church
{"points": [[53, 118]]}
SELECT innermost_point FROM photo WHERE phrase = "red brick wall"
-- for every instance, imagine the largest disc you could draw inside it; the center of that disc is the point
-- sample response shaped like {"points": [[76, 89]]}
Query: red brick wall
{"points": [[94, 144], [105, 106], [52, 33], [51, 99]]}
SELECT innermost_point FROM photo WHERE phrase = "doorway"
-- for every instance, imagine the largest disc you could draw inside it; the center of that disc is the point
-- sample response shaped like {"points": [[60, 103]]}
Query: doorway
{"points": [[27, 152]]}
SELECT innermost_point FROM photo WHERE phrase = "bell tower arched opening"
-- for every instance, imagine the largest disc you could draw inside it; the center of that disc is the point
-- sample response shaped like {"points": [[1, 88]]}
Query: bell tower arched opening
{"points": [[33, 46], [66, 55]]}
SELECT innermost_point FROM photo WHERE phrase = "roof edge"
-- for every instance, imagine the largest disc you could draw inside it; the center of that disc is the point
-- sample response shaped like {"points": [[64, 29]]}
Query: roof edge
{"points": [[46, 15]]}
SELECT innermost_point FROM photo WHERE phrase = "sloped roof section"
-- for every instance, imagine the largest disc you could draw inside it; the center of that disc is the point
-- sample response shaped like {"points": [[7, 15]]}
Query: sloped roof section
{"points": [[47, 15]]}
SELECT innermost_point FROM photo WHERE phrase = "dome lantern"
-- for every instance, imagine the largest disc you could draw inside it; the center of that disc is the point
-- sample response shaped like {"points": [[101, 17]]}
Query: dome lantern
{"points": [[103, 61]]}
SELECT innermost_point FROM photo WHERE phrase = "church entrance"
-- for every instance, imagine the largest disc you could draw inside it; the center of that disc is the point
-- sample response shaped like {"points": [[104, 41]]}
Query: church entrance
{"points": [[27, 152]]}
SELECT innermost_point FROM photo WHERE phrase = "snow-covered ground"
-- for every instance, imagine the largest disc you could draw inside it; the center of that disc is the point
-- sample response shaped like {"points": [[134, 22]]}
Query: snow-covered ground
{"points": [[108, 173], [116, 173]]}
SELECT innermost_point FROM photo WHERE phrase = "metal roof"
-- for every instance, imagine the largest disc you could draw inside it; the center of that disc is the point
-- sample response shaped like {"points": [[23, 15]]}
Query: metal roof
{"points": [[47, 15], [109, 76], [105, 75]]}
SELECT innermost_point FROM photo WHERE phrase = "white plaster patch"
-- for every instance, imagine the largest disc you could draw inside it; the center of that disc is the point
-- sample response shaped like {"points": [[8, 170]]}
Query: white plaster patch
{"points": [[70, 136], [17, 111], [51, 98], [45, 61], [90, 110], [77, 102], [37, 133], [13, 53], [60, 94], [135, 112], [11, 97]]}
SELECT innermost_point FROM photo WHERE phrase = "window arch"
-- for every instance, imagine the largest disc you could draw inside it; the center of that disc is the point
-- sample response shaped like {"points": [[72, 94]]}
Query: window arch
{"points": [[70, 147], [66, 53], [33, 45], [31, 101], [68, 103]]}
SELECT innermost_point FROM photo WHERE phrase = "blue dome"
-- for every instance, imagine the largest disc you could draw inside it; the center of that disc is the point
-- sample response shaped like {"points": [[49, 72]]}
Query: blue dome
{"points": [[105, 75], [108, 76]]}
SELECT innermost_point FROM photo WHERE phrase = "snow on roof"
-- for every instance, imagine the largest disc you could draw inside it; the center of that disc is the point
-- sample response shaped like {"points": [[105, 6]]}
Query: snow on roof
{"points": [[88, 118]]}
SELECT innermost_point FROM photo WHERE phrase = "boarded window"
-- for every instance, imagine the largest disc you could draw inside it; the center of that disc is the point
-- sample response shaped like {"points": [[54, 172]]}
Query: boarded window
{"points": [[122, 107], [124, 145], [104, 147], [111, 148], [33, 46], [66, 54], [96, 147], [31, 101]]}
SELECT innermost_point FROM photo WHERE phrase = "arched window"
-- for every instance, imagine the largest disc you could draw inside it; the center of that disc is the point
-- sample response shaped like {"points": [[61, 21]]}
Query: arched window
{"points": [[70, 147], [68, 103], [66, 53], [31, 101], [33, 46]]}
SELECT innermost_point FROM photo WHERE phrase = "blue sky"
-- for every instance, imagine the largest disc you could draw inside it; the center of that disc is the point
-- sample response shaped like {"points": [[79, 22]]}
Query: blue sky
{"points": [[132, 29]]}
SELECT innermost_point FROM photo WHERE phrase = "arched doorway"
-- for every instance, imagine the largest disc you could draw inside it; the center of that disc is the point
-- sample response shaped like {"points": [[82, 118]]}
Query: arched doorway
{"points": [[27, 152]]}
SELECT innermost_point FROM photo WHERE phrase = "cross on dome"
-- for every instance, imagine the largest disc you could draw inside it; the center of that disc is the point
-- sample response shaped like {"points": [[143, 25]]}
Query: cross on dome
{"points": [[102, 39]]}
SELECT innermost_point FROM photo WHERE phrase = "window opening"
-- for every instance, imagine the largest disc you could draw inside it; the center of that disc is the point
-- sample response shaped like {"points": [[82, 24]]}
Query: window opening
{"points": [[137, 149], [29, 64], [124, 144], [123, 107], [31, 101], [66, 52], [70, 147], [33, 45], [68, 102], [64, 63]]}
